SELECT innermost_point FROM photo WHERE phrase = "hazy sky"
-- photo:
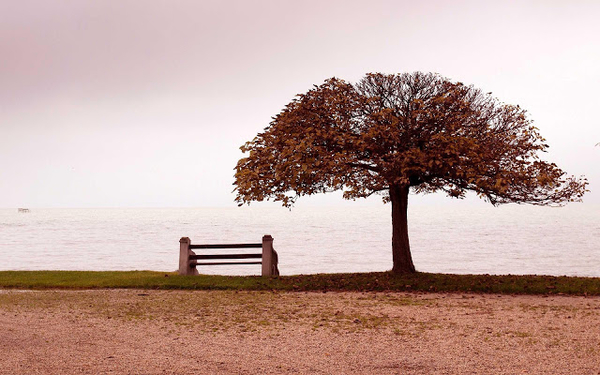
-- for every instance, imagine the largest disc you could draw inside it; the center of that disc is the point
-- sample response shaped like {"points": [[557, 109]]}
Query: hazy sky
{"points": [[145, 103]]}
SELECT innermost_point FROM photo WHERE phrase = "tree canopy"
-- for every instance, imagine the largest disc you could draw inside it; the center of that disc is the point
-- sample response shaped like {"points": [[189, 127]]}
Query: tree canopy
{"points": [[391, 133]]}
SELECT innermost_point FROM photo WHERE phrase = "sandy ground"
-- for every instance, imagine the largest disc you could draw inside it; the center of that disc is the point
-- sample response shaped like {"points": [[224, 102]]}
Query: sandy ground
{"points": [[191, 332]]}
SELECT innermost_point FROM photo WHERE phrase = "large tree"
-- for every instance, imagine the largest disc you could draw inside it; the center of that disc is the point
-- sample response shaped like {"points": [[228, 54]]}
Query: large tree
{"points": [[391, 134]]}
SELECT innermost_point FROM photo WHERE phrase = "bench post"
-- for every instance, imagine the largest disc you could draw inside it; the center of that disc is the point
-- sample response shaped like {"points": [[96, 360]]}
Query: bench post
{"points": [[184, 257], [269, 257]]}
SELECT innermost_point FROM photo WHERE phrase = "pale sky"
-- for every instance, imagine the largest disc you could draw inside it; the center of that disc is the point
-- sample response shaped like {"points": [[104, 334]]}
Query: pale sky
{"points": [[145, 103]]}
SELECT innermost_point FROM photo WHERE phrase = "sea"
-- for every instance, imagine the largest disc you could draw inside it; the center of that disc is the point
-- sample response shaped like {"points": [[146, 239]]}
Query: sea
{"points": [[510, 239]]}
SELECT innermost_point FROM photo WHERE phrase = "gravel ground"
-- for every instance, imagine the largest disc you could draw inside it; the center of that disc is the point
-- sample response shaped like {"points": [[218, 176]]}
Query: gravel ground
{"points": [[217, 332]]}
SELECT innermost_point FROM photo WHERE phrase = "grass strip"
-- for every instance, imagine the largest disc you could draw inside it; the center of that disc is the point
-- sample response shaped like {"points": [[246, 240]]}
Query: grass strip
{"points": [[363, 282]]}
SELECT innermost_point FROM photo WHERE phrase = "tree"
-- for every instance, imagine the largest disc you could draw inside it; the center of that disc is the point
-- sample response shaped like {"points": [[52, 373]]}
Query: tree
{"points": [[390, 134]]}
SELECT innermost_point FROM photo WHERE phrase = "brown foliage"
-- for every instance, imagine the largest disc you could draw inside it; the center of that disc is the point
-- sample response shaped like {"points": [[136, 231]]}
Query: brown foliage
{"points": [[391, 133], [419, 130]]}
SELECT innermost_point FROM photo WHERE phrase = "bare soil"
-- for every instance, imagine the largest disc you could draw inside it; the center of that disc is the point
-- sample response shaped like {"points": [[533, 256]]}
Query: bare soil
{"points": [[214, 332]]}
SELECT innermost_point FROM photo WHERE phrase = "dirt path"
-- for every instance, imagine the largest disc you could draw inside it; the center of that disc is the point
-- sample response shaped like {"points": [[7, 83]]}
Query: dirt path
{"points": [[186, 332]]}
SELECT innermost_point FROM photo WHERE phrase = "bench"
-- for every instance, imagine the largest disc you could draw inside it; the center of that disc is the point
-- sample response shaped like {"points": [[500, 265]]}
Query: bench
{"points": [[189, 260]]}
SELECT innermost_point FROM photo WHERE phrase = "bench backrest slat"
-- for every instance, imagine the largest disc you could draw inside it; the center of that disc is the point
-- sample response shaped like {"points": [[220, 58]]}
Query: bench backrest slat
{"points": [[228, 246], [225, 256]]}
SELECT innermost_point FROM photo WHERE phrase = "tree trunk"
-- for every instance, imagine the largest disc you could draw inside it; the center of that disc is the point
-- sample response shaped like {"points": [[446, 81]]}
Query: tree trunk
{"points": [[400, 246]]}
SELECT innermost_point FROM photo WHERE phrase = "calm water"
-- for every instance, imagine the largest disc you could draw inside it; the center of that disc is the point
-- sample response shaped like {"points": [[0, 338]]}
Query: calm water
{"points": [[452, 239]]}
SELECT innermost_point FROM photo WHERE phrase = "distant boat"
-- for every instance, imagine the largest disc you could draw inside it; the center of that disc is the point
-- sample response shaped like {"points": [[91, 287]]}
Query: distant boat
{"points": [[23, 210]]}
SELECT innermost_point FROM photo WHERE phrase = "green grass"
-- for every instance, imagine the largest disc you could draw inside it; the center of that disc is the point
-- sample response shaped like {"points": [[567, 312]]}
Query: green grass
{"points": [[375, 281]]}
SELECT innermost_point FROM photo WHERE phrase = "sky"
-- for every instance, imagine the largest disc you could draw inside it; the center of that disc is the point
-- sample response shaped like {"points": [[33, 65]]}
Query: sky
{"points": [[146, 103]]}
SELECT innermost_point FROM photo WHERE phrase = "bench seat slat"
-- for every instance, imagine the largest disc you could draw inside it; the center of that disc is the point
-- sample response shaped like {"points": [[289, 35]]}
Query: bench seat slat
{"points": [[194, 264]]}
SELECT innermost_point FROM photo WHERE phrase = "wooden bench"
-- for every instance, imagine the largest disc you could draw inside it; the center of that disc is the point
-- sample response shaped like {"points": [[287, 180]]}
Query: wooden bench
{"points": [[189, 260]]}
